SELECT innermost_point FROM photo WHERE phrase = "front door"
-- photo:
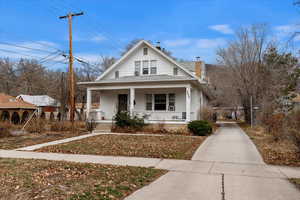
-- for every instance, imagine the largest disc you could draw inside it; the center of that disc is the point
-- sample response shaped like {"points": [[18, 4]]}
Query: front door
{"points": [[122, 102]]}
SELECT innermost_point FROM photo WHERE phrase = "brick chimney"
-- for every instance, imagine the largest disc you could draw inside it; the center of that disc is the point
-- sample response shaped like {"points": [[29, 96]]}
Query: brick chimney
{"points": [[198, 66]]}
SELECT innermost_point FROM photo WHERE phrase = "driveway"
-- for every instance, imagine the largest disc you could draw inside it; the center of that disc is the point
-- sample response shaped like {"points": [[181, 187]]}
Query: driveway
{"points": [[226, 166]]}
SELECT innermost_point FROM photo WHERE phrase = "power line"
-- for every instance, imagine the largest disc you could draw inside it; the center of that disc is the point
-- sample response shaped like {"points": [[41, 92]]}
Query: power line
{"points": [[18, 53], [25, 47]]}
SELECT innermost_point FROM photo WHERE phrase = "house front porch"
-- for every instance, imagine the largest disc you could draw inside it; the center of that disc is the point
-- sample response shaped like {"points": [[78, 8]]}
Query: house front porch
{"points": [[168, 104]]}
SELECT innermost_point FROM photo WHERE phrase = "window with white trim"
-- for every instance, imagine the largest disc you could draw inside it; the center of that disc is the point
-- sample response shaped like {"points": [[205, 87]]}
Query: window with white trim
{"points": [[175, 71], [160, 102], [149, 102], [153, 67], [137, 68], [145, 67], [145, 51], [116, 74], [171, 106]]}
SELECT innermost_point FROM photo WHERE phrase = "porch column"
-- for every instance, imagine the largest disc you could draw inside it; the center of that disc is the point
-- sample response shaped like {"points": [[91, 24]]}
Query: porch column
{"points": [[188, 103], [88, 102], [132, 97]]}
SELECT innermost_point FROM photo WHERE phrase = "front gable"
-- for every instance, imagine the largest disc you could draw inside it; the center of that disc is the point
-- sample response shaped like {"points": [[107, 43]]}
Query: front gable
{"points": [[137, 59]]}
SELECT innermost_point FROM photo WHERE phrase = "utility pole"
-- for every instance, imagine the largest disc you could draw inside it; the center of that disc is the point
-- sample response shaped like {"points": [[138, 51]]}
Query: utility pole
{"points": [[71, 71]]}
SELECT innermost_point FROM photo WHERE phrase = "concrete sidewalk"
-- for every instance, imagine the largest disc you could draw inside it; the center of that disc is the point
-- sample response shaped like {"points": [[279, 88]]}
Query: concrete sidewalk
{"points": [[234, 170]]}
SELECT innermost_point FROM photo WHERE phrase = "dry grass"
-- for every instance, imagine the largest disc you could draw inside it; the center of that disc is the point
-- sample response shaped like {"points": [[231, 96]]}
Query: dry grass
{"points": [[40, 179], [14, 142], [8, 141], [280, 152], [295, 181], [176, 147]]}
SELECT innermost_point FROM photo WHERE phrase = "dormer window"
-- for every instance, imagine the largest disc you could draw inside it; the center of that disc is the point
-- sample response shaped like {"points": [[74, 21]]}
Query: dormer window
{"points": [[137, 68], [175, 71], [145, 51], [145, 67], [116, 74]]}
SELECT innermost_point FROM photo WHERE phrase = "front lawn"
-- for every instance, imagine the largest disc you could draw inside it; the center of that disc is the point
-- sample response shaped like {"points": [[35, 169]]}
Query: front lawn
{"points": [[41, 179], [175, 147], [281, 152], [14, 142]]}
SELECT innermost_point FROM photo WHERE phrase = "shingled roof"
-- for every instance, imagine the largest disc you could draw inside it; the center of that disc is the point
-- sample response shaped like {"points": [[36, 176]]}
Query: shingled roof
{"points": [[10, 102]]}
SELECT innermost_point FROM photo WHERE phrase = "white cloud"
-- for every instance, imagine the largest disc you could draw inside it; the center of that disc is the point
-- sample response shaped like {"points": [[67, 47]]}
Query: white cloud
{"points": [[89, 57], [95, 38], [177, 42], [222, 28], [210, 43], [98, 38], [287, 31], [189, 48]]}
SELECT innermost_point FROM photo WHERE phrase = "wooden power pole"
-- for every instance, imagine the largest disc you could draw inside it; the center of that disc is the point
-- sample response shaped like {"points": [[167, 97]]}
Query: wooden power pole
{"points": [[71, 71]]}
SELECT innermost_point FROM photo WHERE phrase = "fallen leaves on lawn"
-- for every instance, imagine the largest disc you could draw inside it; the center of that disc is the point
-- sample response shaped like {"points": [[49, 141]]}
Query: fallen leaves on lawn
{"points": [[176, 147], [41, 179], [282, 152]]}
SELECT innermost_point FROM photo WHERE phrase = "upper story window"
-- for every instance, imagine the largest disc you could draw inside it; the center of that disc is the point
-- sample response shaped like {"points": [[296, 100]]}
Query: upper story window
{"points": [[116, 74], [153, 67], [145, 67], [145, 51], [137, 68], [175, 71]]}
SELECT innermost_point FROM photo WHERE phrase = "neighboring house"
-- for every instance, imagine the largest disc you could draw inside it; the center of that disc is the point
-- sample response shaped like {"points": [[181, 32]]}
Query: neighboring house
{"points": [[15, 110], [81, 109], [48, 108], [147, 82]]}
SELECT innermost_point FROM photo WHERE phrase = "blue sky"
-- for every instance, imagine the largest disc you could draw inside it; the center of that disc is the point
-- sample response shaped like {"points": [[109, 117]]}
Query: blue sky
{"points": [[188, 28]]}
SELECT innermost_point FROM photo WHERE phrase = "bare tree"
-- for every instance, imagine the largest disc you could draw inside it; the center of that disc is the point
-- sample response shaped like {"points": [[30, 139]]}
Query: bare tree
{"points": [[256, 67]]}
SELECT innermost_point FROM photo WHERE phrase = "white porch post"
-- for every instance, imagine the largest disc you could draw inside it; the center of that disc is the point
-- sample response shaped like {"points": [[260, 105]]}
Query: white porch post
{"points": [[188, 103], [88, 102], [132, 97]]}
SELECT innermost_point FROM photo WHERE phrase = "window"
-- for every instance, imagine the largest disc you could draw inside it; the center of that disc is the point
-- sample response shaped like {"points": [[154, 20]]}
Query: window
{"points": [[175, 71], [148, 101], [116, 74], [171, 102], [153, 67], [160, 102], [137, 68], [145, 51], [145, 67]]}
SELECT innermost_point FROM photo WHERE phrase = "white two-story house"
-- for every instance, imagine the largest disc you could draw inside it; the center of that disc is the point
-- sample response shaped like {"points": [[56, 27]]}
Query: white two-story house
{"points": [[147, 82]]}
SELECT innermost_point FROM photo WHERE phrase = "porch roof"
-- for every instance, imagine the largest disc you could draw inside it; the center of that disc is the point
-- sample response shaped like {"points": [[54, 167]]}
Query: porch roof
{"points": [[151, 78]]}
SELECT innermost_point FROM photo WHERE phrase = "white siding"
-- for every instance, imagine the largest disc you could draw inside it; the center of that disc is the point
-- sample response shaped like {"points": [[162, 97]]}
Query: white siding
{"points": [[196, 104], [126, 68], [109, 102]]}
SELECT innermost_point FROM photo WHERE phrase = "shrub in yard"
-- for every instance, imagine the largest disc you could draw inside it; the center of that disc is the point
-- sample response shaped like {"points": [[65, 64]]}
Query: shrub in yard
{"points": [[207, 114], [200, 127], [64, 126], [5, 130], [123, 119], [274, 125], [36, 126]]}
